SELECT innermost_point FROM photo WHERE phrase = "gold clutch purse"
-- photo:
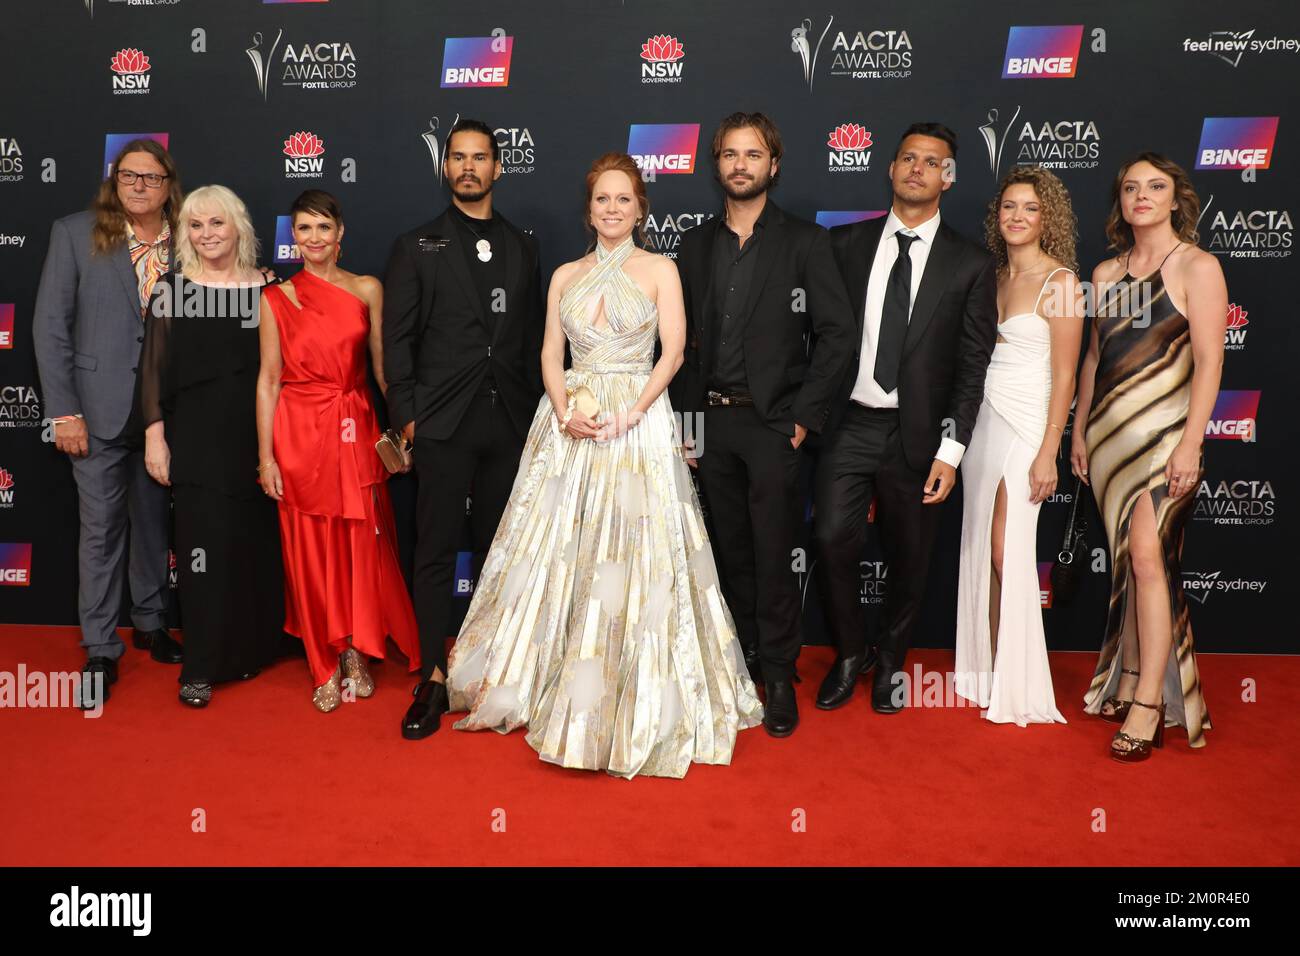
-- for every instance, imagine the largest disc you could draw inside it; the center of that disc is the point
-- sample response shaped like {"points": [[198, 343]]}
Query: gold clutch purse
{"points": [[394, 452], [583, 399]]}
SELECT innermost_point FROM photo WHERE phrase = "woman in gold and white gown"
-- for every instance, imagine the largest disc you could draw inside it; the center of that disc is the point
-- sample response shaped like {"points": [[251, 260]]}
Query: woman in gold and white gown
{"points": [[598, 622]]}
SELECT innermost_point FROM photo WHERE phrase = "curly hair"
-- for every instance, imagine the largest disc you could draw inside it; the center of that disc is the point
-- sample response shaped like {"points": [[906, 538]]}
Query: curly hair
{"points": [[1187, 205], [623, 163], [1060, 225]]}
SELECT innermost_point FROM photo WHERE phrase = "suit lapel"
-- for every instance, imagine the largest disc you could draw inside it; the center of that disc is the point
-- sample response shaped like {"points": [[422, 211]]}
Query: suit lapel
{"points": [[704, 307], [862, 253], [938, 270], [125, 270], [510, 256]]}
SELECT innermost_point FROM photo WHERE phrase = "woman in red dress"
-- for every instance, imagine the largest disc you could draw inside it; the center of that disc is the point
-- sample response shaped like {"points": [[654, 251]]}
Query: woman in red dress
{"points": [[316, 432]]}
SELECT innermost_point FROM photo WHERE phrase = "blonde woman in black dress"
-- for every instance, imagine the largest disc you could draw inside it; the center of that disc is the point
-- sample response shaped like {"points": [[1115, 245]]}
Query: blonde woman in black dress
{"points": [[1147, 389]]}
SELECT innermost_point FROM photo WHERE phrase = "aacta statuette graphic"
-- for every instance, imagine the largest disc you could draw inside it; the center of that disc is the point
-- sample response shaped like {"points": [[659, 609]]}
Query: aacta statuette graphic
{"points": [[995, 139], [430, 137], [262, 64]]}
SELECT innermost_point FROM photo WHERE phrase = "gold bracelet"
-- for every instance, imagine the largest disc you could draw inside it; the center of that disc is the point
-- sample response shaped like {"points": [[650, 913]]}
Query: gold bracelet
{"points": [[1056, 426], [263, 467]]}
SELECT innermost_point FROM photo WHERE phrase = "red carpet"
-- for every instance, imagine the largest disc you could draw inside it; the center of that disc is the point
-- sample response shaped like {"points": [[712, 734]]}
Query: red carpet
{"points": [[282, 784]]}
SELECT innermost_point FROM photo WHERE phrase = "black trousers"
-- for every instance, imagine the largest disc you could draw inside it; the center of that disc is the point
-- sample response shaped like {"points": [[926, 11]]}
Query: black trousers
{"points": [[864, 457], [481, 457], [750, 474]]}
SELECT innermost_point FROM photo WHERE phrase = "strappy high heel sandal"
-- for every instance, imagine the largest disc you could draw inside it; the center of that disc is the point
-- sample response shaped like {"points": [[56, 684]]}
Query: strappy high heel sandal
{"points": [[355, 670], [1139, 749], [1118, 708]]}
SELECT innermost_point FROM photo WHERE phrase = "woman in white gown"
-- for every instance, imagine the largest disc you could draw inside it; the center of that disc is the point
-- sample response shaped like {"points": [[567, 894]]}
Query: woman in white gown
{"points": [[597, 621], [1009, 469]]}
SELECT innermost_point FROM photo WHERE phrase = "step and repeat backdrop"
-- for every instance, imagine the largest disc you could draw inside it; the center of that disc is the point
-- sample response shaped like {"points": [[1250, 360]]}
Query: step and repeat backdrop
{"points": [[356, 97]]}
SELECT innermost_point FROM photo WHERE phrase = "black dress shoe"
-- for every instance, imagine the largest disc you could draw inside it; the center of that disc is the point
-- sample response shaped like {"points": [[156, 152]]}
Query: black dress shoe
{"points": [[425, 713], [160, 645], [886, 695], [837, 687], [780, 712], [93, 692]]}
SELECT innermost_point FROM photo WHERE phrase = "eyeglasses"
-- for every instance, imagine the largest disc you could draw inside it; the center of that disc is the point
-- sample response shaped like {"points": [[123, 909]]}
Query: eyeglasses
{"points": [[127, 177]]}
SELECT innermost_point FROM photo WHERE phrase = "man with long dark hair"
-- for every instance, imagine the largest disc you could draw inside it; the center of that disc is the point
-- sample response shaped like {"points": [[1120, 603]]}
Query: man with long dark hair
{"points": [[88, 328]]}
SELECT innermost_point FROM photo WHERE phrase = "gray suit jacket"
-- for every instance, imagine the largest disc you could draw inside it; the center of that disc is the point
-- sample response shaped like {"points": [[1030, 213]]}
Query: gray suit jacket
{"points": [[87, 328]]}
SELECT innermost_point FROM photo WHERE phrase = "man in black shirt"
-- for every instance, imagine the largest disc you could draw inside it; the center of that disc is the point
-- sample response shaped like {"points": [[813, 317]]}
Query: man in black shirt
{"points": [[463, 324], [770, 334]]}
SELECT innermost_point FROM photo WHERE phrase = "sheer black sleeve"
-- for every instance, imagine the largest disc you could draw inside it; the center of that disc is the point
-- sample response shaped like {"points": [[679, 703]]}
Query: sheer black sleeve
{"points": [[155, 356]]}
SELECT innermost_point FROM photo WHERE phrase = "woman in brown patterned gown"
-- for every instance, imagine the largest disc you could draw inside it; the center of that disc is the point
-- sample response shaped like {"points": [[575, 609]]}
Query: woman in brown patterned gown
{"points": [[1147, 389]]}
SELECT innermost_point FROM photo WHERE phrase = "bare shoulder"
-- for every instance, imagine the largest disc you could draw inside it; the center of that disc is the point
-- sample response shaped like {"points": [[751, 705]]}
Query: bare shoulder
{"points": [[565, 273], [366, 286], [1108, 270], [1196, 266]]}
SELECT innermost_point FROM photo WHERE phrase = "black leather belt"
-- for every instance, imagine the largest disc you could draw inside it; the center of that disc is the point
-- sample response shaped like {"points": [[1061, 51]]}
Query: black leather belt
{"points": [[728, 398]]}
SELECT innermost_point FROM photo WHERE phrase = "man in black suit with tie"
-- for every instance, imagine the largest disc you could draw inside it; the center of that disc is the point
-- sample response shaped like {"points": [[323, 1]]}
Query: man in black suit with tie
{"points": [[925, 303], [757, 283], [463, 324]]}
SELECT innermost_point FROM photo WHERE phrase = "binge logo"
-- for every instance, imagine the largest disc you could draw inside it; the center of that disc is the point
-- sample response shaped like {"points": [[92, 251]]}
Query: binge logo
{"points": [[304, 151], [842, 217], [463, 582], [131, 71], [663, 147], [1045, 583], [1236, 142], [6, 325], [113, 143], [1042, 52], [286, 250], [850, 148], [6, 489], [663, 60], [16, 564], [1234, 416], [476, 61], [1234, 336]]}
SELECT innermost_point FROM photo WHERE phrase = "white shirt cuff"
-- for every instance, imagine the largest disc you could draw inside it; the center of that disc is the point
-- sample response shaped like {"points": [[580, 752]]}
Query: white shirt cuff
{"points": [[950, 452]]}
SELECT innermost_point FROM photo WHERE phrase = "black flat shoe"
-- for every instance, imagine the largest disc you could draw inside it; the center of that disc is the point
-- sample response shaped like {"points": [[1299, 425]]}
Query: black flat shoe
{"points": [[159, 644], [425, 713], [196, 693], [780, 712], [837, 687], [886, 695], [96, 676]]}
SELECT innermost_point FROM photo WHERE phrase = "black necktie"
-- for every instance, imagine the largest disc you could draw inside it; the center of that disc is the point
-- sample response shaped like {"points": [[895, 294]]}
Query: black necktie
{"points": [[893, 316]]}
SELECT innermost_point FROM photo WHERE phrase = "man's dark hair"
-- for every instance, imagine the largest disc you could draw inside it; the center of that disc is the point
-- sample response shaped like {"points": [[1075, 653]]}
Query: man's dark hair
{"points": [[760, 124], [935, 130], [474, 126]]}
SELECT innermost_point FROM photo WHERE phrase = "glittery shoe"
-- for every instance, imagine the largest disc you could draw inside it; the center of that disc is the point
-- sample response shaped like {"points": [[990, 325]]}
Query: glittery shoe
{"points": [[196, 693], [327, 696], [355, 670]]}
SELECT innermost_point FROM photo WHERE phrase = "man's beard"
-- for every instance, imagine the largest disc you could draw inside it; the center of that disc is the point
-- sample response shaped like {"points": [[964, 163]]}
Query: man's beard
{"points": [[747, 190], [477, 191]]}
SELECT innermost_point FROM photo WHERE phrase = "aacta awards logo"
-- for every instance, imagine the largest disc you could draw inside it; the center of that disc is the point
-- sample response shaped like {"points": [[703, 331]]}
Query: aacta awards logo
{"points": [[662, 56], [517, 151], [6, 489], [19, 407], [1042, 52], [1052, 144], [130, 71], [320, 65], [1248, 233], [1240, 502], [663, 147], [1234, 337], [11, 160], [850, 149], [872, 55], [663, 233], [304, 151]]}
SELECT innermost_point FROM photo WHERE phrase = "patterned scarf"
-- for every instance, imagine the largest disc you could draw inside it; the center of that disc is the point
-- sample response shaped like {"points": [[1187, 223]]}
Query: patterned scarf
{"points": [[150, 259]]}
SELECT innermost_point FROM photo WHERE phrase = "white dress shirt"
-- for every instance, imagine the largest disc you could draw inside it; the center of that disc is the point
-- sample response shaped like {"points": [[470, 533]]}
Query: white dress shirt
{"points": [[866, 391]]}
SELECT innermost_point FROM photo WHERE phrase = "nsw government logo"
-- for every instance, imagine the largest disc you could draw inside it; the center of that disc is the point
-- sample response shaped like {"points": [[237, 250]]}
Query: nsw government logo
{"points": [[130, 71], [1234, 336], [850, 149], [476, 61], [663, 147], [286, 250], [1042, 52], [6, 489], [1236, 142], [661, 58], [303, 152]]}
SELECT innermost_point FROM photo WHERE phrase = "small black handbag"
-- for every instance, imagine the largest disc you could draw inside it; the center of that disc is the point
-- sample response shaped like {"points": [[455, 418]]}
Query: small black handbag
{"points": [[1069, 564]]}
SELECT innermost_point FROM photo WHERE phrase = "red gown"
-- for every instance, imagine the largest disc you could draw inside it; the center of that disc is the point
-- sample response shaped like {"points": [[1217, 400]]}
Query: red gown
{"points": [[341, 571]]}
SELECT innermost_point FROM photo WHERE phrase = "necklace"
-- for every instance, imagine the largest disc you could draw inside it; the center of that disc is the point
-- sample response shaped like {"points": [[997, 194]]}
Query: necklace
{"points": [[483, 247]]}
